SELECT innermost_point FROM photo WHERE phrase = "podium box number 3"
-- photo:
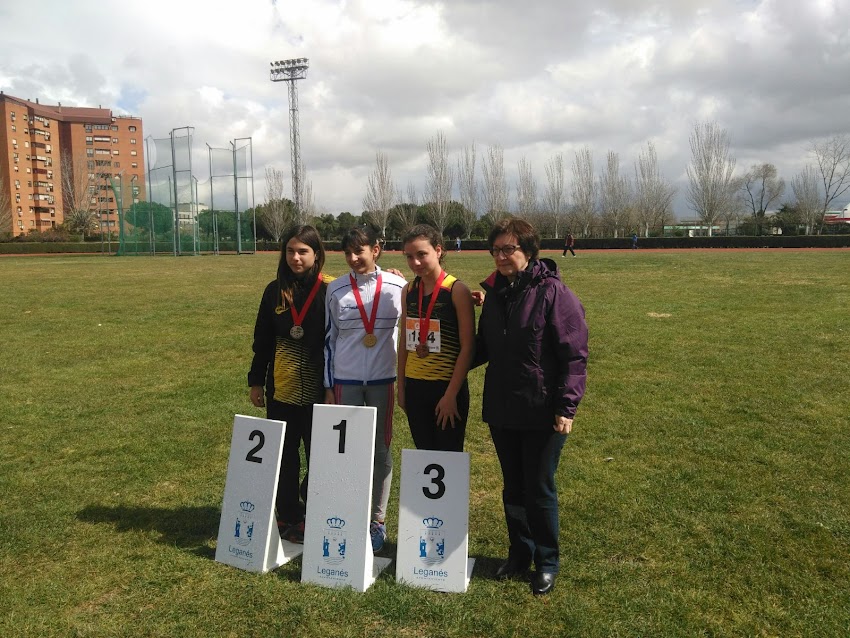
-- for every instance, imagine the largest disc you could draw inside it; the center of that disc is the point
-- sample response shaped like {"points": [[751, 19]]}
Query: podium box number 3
{"points": [[337, 547], [433, 526], [247, 534]]}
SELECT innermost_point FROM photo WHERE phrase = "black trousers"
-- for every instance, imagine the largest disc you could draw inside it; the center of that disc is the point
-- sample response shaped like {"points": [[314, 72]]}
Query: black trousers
{"points": [[421, 398], [291, 499], [529, 459]]}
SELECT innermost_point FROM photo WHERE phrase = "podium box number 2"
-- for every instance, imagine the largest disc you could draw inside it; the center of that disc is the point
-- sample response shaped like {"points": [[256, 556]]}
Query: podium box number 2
{"points": [[433, 525], [247, 532], [337, 546]]}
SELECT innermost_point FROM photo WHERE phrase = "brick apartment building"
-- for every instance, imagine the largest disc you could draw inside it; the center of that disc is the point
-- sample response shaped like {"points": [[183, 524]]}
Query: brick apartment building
{"points": [[39, 141]]}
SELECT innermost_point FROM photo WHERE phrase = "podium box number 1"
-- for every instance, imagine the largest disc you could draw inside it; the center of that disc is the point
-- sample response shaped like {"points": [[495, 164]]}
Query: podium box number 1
{"points": [[247, 532], [433, 525], [337, 546]]}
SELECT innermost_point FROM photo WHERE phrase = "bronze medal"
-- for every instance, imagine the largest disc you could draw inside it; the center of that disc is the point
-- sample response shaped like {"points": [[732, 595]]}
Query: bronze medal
{"points": [[370, 340], [296, 332], [425, 319]]}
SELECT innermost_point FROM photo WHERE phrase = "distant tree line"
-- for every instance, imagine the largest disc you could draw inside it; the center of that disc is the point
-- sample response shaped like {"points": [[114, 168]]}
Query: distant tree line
{"points": [[464, 196]]}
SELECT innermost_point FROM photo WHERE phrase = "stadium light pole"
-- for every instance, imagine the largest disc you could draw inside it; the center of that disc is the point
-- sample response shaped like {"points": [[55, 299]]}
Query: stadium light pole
{"points": [[291, 71]]}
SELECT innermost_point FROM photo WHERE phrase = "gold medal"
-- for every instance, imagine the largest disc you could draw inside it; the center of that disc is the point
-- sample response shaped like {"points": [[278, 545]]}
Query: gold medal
{"points": [[296, 332], [368, 323], [279, 310], [422, 350]]}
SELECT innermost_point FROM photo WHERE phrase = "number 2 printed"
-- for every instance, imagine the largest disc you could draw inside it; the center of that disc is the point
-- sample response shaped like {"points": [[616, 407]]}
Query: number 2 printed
{"points": [[252, 452]]}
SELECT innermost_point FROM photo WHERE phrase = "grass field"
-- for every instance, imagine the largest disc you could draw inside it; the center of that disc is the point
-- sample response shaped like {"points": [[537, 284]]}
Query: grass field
{"points": [[704, 491]]}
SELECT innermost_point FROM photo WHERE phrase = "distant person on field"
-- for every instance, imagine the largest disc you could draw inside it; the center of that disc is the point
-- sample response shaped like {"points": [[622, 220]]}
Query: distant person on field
{"points": [[634, 241], [533, 336], [569, 244], [288, 359], [457, 244]]}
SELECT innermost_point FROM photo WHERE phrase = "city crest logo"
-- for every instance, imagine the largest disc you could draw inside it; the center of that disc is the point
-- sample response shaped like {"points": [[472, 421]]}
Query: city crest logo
{"points": [[333, 541], [432, 541], [243, 529]]}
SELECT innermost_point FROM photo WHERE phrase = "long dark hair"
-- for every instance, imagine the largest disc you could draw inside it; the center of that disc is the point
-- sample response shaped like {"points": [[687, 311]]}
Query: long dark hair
{"points": [[286, 279]]}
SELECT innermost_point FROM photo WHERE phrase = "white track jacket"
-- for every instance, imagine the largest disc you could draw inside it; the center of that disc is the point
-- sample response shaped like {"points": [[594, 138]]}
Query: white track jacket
{"points": [[347, 360]]}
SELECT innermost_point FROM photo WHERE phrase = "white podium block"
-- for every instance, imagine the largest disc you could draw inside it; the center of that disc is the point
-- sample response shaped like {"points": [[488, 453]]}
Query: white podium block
{"points": [[247, 533], [337, 546], [433, 525]]}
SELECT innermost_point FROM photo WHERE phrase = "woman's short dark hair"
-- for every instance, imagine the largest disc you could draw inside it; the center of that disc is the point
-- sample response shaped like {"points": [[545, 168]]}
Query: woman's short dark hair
{"points": [[529, 240], [358, 237]]}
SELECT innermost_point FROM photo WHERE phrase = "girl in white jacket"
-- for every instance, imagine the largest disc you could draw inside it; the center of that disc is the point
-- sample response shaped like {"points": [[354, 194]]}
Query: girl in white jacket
{"points": [[363, 309]]}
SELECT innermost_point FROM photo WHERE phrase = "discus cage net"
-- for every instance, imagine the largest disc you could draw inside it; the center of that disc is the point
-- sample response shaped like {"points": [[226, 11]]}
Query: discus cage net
{"points": [[184, 215]]}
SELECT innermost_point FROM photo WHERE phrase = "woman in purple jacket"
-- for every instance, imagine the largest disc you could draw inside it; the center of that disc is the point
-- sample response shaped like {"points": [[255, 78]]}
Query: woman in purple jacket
{"points": [[533, 336]]}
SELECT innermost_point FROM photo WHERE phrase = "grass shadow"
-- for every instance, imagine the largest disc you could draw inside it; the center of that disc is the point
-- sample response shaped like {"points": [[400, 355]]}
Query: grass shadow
{"points": [[190, 528]]}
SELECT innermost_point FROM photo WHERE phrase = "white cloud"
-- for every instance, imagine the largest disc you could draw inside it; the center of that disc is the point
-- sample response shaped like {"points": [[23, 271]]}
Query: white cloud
{"points": [[538, 78]]}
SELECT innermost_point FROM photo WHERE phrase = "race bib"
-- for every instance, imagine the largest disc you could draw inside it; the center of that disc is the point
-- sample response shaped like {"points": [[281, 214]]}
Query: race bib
{"points": [[411, 330]]}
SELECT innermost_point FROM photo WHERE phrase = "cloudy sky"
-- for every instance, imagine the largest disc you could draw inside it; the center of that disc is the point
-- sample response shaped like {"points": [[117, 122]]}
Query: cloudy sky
{"points": [[536, 77]]}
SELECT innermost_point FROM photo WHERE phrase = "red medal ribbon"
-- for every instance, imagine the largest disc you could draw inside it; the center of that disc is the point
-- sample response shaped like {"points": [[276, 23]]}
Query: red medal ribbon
{"points": [[368, 324], [298, 317], [424, 322]]}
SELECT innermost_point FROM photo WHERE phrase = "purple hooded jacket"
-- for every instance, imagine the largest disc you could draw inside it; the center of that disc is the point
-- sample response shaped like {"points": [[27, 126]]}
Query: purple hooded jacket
{"points": [[533, 336]]}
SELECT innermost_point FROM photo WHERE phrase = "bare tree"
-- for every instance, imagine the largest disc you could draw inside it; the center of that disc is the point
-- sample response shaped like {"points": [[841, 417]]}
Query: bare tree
{"points": [[406, 211], [440, 178], [809, 201], [584, 192], [710, 172], [495, 184], [468, 188], [526, 189], [615, 194], [833, 160], [79, 195], [275, 216], [554, 200], [735, 207], [381, 193], [6, 218], [653, 193], [760, 187]]}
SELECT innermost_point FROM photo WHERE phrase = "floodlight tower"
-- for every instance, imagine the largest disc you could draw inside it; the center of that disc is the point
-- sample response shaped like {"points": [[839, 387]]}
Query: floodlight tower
{"points": [[290, 71]]}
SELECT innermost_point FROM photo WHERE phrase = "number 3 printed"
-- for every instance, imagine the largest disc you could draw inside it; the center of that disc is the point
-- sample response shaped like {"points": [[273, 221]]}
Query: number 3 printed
{"points": [[436, 480]]}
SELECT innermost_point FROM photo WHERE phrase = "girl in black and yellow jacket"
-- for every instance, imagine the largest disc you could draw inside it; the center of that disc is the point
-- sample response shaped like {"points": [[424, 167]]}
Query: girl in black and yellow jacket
{"points": [[286, 371]]}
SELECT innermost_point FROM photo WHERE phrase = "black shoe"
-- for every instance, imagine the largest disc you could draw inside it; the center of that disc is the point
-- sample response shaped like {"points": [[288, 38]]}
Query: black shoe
{"points": [[542, 583], [512, 567]]}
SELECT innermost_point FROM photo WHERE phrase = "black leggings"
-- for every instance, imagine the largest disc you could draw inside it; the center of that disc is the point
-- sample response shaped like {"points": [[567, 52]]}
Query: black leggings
{"points": [[291, 495], [421, 398]]}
